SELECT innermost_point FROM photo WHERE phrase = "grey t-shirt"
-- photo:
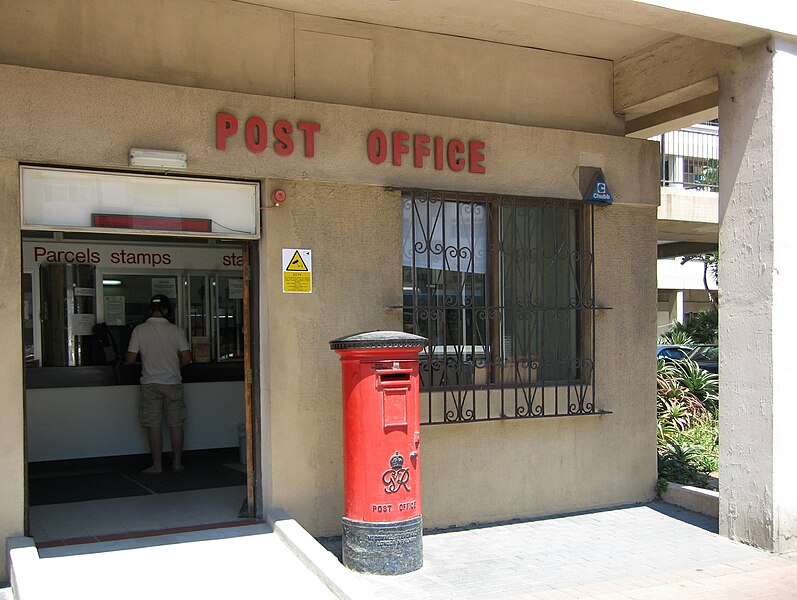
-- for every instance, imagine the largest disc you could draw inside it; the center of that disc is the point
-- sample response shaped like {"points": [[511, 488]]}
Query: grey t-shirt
{"points": [[160, 343]]}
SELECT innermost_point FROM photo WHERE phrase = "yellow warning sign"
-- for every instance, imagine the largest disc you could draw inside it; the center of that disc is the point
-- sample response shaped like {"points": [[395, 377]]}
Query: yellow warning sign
{"points": [[293, 282], [296, 263], [297, 271]]}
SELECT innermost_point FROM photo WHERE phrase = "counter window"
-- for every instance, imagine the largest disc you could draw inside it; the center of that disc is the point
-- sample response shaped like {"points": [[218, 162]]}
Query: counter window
{"points": [[501, 286], [82, 298], [126, 302], [223, 323], [68, 314]]}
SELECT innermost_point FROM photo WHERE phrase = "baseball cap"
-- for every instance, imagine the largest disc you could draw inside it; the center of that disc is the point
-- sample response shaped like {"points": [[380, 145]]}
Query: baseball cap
{"points": [[161, 303]]}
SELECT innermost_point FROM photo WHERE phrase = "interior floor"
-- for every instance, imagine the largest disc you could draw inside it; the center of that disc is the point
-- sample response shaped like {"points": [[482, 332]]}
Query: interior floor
{"points": [[109, 498]]}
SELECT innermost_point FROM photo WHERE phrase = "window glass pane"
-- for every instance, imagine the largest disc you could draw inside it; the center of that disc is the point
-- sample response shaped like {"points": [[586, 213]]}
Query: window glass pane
{"points": [[540, 290], [444, 235], [501, 286], [137, 203], [444, 279], [494, 286]]}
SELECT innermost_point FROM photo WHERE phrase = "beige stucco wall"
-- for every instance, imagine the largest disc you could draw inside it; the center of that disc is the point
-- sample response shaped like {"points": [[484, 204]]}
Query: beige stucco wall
{"points": [[505, 469], [355, 235], [258, 50], [471, 472], [338, 206], [87, 120]]}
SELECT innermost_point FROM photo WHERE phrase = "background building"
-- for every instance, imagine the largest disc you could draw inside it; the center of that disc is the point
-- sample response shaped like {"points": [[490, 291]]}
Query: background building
{"points": [[688, 220]]}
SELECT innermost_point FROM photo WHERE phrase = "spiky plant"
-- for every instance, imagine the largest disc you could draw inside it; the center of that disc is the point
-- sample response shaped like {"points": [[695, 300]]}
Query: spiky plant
{"points": [[676, 338], [687, 428]]}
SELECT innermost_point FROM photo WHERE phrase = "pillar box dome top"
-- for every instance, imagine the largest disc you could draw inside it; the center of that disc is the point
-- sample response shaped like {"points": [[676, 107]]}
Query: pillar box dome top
{"points": [[378, 339]]}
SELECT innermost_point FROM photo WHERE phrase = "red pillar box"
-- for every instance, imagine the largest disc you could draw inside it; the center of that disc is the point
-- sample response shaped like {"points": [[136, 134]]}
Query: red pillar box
{"points": [[382, 524]]}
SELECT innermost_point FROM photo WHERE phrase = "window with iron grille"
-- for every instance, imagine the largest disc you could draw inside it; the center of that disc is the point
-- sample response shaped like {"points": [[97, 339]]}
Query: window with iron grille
{"points": [[502, 288]]}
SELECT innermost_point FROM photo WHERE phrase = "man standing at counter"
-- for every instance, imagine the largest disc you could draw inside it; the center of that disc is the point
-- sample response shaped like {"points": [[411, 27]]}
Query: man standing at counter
{"points": [[164, 349]]}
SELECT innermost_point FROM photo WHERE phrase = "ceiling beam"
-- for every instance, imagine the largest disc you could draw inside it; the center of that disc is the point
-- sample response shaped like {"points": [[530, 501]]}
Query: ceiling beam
{"points": [[670, 73], [675, 249], [675, 117]]}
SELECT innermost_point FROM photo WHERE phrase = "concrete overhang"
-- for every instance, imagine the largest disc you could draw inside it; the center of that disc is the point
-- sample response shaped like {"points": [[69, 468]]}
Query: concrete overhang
{"points": [[666, 52], [607, 29], [688, 216], [675, 249]]}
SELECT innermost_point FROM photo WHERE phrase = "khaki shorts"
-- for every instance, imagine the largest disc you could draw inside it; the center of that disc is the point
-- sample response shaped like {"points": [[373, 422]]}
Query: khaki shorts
{"points": [[159, 399]]}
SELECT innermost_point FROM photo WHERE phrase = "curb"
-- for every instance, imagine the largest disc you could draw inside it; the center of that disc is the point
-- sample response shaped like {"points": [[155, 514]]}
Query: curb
{"points": [[692, 498], [23, 559], [340, 580]]}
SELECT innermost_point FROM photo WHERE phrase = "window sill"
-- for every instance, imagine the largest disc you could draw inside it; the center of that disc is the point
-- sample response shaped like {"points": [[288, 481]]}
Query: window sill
{"points": [[473, 405]]}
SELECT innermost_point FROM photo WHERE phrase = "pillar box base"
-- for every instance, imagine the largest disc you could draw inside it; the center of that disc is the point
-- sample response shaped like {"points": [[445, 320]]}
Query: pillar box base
{"points": [[391, 548]]}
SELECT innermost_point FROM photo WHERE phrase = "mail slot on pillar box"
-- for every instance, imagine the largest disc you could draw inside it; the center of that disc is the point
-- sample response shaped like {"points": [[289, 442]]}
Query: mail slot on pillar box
{"points": [[382, 523]]}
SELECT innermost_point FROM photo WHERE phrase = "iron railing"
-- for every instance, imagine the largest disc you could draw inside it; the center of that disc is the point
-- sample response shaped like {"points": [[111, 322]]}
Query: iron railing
{"points": [[503, 289], [690, 157]]}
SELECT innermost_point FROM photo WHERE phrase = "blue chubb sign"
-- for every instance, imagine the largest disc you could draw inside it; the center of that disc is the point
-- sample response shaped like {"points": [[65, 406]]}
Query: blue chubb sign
{"points": [[598, 192]]}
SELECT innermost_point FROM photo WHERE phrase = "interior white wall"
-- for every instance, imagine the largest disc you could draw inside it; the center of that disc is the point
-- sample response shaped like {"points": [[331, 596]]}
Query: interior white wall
{"points": [[64, 423]]}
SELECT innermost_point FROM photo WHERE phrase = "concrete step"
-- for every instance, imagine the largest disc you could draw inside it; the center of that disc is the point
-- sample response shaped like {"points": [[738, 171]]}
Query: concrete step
{"points": [[237, 562]]}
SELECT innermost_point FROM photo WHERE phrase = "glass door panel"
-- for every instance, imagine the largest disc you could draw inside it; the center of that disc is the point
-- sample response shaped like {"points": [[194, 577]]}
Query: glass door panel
{"points": [[28, 322], [198, 316], [228, 317]]}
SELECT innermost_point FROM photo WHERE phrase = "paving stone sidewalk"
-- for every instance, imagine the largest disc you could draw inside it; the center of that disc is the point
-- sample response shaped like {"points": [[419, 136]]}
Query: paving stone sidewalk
{"points": [[643, 552]]}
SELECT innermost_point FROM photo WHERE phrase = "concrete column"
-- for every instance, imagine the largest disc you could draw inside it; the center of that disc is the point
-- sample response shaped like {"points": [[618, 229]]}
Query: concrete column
{"points": [[758, 287], [12, 443], [679, 306], [677, 173]]}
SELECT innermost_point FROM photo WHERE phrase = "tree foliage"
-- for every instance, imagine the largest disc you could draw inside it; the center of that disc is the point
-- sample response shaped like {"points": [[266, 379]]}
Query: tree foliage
{"points": [[710, 262], [710, 175]]}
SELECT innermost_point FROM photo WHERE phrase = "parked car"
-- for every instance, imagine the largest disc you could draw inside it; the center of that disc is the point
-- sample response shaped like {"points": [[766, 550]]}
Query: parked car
{"points": [[672, 351], [707, 357]]}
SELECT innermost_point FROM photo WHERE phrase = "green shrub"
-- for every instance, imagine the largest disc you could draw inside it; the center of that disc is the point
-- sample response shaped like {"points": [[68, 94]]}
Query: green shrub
{"points": [[704, 438], [702, 327], [681, 464], [702, 384], [687, 429]]}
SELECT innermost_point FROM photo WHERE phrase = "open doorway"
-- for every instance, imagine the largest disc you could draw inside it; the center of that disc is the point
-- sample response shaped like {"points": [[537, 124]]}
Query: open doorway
{"points": [[82, 296]]}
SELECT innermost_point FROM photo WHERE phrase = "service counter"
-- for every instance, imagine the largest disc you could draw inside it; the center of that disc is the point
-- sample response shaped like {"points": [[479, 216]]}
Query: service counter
{"points": [[85, 412]]}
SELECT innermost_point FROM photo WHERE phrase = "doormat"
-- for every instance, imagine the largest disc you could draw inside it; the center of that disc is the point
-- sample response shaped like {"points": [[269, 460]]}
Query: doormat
{"points": [[81, 488], [104, 486], [194, 477]]}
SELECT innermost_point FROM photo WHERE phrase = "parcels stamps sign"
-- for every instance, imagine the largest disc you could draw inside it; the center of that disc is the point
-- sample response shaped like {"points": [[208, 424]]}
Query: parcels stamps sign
{"points": [[297, 271]]}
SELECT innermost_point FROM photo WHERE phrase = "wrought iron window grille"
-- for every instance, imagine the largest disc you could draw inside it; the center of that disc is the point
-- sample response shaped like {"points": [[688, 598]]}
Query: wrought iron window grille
{"points": [[502, 286]]}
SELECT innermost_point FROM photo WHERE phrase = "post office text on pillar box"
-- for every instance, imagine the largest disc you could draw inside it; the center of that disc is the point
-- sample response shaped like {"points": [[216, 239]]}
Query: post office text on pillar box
{"points": [[396, 148]]}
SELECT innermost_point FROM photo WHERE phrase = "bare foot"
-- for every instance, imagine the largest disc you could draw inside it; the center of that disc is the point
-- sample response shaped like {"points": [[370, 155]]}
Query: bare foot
{"points": [[153, 470], [178, 468]]}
